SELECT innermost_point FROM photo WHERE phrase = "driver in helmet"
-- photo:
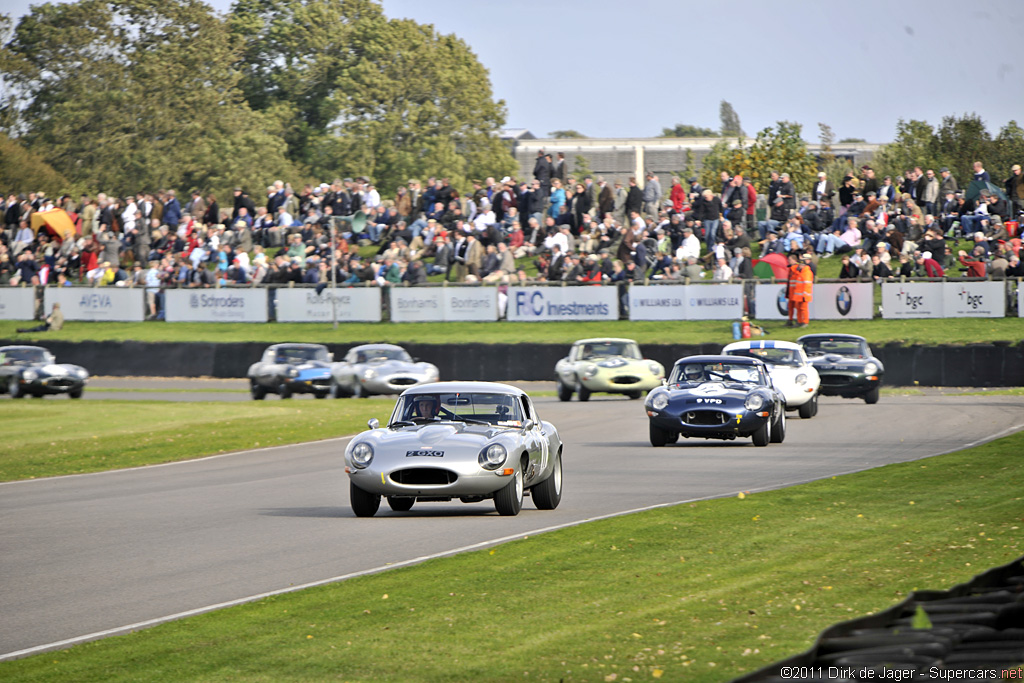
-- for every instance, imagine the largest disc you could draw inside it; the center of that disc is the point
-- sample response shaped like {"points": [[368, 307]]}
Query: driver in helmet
{"points": [[425, 406], [694, 372]]}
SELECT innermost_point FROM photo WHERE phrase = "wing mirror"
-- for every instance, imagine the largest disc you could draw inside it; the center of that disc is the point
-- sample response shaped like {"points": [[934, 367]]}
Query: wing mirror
{"points": [[373, 423], [528, 425]]}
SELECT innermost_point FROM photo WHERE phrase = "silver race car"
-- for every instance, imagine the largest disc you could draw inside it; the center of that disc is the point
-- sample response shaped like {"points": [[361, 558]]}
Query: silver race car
{"points": [[469, 441], [378, 369], [33, 371]]}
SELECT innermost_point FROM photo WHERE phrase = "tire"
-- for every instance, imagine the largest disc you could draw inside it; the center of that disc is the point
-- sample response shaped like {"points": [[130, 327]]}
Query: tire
{"points": [[547, 494], [283, 391], [762, 436], [401, 504], [871, 397], [15, 388], [77, 393], [634, 395], [808, 409], [359, 392], [37, 394], [336, 391], [659, 437], [778, 431], [583, 393], [363, 504], [673, 437], [564, 392], [509, 500], [258, 392], [320, 394]]}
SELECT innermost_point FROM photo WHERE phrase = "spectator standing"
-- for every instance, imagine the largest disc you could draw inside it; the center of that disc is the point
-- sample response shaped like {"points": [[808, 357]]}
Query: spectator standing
{"points": [[799, 291]]}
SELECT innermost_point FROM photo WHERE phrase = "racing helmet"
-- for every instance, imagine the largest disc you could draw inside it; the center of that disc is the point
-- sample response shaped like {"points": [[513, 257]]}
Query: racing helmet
{"points": [[693, 372]]}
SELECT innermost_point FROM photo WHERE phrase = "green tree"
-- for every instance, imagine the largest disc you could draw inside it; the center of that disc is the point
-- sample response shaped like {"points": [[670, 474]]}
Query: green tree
{"points": [[566, 134], [685, 130], [962, 141], [784, 150], [581, 168], [851, 140], [730, 121], [121, 95], [23, 171], [390, 99], [1007, 150], [913, 145]]}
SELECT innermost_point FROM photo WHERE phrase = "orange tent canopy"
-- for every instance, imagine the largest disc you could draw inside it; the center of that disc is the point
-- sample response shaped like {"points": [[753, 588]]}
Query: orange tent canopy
{"points": [[56, 221]]}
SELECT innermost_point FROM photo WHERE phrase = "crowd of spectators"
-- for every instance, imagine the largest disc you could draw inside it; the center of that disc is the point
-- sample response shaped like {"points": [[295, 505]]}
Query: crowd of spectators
{"points": [[583, 230]]}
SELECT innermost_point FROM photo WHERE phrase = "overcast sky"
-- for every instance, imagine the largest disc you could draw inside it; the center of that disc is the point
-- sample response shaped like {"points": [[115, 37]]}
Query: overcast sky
{"points": [[628, 68]]}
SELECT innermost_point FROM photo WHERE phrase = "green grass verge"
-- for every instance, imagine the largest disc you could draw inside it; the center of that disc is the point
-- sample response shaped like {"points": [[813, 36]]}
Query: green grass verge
{"points": [[964, 331], [90, 436], [697, 592]]}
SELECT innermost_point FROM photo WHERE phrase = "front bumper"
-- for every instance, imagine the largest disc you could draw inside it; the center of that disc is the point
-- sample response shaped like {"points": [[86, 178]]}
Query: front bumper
{"points": [[52, 385], [847, 384], [309, 385], [709, 423], [394, 384], [621, 382], [454, 479]]}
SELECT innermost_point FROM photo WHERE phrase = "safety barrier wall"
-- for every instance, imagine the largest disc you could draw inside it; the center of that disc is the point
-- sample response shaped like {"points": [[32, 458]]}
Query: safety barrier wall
{"points": [[537, 302], [976, 365]]}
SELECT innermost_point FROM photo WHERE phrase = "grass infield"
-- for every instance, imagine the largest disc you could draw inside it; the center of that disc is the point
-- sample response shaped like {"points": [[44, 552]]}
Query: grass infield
{"points": [[962, 331], [701, 591]]}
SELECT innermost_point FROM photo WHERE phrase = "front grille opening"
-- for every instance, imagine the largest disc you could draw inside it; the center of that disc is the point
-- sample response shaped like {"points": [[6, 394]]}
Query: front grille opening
{"points": [[625, 379], [705, 417], [424, 476], [403, 381]]}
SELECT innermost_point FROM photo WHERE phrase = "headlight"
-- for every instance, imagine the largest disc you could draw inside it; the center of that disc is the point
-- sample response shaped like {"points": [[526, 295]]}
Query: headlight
{"points": [[655, 368], [362, 455], [589, 371], [870, 369], [30, 374], [292, 372], [801, 379], [83, 374], [754, 402], [493, 457], [659, 401], [369, 374]]}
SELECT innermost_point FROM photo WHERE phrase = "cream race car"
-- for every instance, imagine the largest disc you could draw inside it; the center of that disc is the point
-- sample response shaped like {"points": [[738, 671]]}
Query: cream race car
{"points": [[612, 366], [791, 372]]}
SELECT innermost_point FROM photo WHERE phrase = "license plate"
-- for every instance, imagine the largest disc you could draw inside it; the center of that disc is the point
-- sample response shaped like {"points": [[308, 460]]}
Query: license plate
{"points": [[424, 454]]}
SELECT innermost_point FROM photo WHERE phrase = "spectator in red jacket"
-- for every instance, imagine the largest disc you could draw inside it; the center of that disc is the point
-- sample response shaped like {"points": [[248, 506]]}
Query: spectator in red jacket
{"points": [[677, 195], [975, 266], [931, 266]]}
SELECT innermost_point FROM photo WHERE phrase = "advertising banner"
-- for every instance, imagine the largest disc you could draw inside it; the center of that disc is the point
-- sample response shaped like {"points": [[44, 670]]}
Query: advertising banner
{"points": [[563, 303], [414, 305], [714, 302], [107, 304], [350, 304], [912, 299], [654, 302], [843, 301], [18, 303], [770, 302], [478, 304], [216, 305], [1020, 302], [974, 299]]}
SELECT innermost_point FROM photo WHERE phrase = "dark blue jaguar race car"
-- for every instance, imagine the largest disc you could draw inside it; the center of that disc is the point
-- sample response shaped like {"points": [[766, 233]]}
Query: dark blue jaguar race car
{"points": [[717, 397]]}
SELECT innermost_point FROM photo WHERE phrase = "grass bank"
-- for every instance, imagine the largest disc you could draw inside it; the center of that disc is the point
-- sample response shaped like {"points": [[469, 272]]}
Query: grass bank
{"points": [[90, 436], [703, 591], [963, 331]]}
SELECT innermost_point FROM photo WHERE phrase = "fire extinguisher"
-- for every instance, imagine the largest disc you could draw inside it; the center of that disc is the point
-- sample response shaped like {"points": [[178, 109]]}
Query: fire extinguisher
{"points": [[745, 329]]}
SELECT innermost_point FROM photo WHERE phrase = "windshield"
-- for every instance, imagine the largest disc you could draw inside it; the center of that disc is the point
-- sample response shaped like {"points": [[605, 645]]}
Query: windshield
{"points": [[18, 356], [605, 349], [698, 373], [771, 356], [298, 354], [853, 348], [379, 355], [502, 410]]}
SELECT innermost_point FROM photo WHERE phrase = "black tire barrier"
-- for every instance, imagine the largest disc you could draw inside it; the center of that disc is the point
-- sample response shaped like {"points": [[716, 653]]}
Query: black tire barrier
{"points": [[975, 626], [977, 365]]}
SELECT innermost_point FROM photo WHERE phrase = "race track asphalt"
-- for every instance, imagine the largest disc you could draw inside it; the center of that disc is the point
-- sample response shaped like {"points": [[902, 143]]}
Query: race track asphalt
{"points": [[92, 555]]}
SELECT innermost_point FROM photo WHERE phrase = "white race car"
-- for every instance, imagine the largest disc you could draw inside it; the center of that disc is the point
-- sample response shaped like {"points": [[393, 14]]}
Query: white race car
{"points": [[607, 365], [791, 372]]}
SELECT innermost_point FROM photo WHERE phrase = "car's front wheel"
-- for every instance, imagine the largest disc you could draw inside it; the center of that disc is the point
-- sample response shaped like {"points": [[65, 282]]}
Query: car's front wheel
{"points": [[283, 391], [336, 390], [77, 393], [359, 391], [762, 436], [659, 437], [15, 389], [564, 392], [634, 395], [778, 432], [258, 392], [809, 409], [400, 504], [320, 394], [364, 504], [508, 501], [584, 393], [871, 397], [548, 493]]}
